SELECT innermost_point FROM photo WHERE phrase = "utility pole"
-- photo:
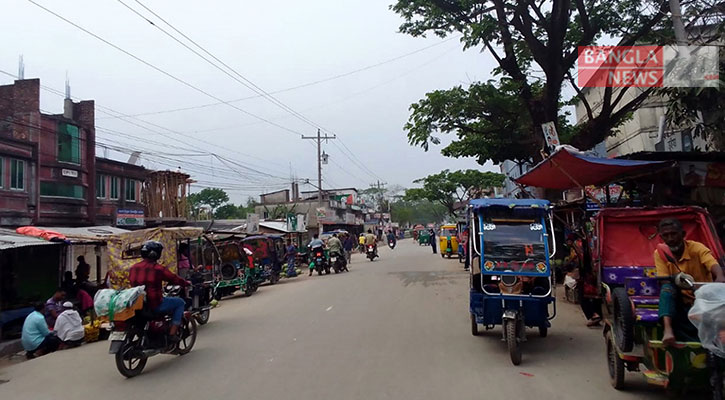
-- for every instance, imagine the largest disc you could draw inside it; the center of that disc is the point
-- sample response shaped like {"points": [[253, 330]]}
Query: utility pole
{"points": [[319, 139], [679, 27]]}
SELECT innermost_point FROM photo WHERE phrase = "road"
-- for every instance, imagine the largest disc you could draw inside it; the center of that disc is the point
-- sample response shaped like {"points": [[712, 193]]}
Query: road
{"points": [[396, 328]]}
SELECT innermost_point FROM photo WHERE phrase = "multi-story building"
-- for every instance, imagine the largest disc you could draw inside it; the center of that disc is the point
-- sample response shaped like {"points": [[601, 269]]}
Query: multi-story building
{"points": [[49, 174]]}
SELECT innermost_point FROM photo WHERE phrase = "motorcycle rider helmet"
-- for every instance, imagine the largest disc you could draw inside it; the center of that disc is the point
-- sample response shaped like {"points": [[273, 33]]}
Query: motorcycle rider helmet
{"points": [[151, 250]]}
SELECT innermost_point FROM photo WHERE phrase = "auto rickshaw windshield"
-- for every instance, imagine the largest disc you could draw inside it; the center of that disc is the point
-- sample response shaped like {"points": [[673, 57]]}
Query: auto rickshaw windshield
{"points": [[514, 245]]}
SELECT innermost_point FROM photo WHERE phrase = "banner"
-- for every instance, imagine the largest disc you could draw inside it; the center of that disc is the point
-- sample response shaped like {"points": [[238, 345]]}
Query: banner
{"points": [[550, 135], [252, 223]]}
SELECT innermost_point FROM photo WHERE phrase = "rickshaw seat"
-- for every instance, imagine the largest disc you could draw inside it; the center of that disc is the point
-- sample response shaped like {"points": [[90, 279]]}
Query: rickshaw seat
{"points": [[645, 301], [618, 276]]}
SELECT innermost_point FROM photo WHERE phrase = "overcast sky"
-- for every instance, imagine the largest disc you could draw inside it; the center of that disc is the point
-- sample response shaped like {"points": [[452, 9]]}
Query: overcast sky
{"points": [[274, 44]]}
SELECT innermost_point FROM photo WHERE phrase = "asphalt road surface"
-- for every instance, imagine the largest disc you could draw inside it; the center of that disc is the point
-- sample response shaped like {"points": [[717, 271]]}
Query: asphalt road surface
{"points": [[396, 328]]}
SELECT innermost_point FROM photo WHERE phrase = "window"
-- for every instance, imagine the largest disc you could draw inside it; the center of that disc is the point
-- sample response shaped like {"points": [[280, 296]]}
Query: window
{"points": [[17, 174], [101, 186], [131, 190], [114, 187], [69, 143], [62, 190]]}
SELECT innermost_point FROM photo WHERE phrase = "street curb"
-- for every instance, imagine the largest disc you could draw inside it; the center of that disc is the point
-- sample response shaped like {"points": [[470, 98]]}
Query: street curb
{"points": [[10, 347]]}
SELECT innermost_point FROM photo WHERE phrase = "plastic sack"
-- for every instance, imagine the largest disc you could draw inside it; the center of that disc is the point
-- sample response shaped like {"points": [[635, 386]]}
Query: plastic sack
{"points": [[708, 315], [109, 301]]}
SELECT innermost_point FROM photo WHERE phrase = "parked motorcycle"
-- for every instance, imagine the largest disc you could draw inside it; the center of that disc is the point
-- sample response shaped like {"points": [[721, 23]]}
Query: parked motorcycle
{"points": [[371, 252], [199, 298], [339, 263], [147, 334]]}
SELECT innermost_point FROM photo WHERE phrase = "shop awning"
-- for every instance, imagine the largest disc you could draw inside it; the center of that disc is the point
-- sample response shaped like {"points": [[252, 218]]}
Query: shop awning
{"points": [[566, 169]]}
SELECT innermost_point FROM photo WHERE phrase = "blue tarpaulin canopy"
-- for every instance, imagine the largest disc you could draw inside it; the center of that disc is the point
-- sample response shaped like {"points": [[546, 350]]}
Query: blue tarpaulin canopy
{"points": [[566, 169]]}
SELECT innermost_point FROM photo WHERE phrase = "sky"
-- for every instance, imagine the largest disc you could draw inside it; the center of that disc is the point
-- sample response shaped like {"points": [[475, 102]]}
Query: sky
{"points": [[289, 50]]}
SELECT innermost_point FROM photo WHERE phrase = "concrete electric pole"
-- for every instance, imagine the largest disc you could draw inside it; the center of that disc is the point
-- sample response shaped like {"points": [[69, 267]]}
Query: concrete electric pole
{"points": [[319, 139]]}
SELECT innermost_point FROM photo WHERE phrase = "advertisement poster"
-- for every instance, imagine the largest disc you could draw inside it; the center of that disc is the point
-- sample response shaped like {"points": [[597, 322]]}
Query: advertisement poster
{"points": [[702, 174], [252, 223], [550, 134]]}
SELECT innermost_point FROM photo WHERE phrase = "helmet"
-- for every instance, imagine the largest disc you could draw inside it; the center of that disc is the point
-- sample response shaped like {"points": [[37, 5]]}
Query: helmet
{"points": [[151, 250]]}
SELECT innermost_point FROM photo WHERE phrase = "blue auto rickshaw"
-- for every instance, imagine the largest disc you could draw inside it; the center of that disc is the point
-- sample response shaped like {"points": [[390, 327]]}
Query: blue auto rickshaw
{"points": [[511, 280]]}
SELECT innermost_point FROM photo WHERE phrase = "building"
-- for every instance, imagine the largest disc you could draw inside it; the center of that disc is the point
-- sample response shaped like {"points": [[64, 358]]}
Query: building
{"points": [[341, 208], [49, 173]]}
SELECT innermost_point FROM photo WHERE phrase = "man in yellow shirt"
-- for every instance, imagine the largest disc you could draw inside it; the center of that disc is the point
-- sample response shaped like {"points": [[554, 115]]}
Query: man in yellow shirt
{"points": [[372, 240], [692, 258]]}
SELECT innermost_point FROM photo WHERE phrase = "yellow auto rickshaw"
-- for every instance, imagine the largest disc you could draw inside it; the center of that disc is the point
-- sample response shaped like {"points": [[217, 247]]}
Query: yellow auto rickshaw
{"points": [[448, 240]]}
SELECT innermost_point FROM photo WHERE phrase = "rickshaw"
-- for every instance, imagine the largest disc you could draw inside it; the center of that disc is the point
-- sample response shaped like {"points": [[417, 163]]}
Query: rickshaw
{"points": [[424, 238], [266, 259], [234, 273], [511, 283], [448, 240], [625, 242]]}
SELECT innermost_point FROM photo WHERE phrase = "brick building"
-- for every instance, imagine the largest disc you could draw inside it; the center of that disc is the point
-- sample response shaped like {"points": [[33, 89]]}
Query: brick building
{"points": [[48, 165]]}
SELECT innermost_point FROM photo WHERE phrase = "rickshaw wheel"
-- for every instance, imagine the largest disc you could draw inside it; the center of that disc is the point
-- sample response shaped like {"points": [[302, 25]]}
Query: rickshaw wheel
{"points": [[474, 326], [623, 320], [543, 331], [615, 364], [512, 341]]}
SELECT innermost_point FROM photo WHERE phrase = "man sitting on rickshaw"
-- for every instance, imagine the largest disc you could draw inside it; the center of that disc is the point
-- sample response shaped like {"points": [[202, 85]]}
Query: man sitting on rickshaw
{"points": [[690, 257]]}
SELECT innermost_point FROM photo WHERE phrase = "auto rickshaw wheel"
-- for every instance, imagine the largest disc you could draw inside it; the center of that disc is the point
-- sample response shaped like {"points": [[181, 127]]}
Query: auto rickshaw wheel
{"points": [[623, 320], [474, 326], [512, 341], [615, 364]]}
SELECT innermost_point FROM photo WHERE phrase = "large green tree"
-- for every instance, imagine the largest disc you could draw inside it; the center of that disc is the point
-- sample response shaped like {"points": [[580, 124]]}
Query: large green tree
{"points": [[535, 46], [448, 188], [417, 212], [212, 197]]}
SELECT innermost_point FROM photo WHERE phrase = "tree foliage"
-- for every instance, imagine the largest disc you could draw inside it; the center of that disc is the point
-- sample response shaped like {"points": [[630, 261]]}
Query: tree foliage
{"points": [[417, 212], [535, 46], [212, 197], [447, 188]]}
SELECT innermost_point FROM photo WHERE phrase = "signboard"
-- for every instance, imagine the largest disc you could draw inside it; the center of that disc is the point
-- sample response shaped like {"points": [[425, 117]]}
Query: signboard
{"points": [[252, 223], [71, 173], [130, 218], [321, 213], [550, 135], [599, 193], [291, 222], [702, 174], [301, 226]]}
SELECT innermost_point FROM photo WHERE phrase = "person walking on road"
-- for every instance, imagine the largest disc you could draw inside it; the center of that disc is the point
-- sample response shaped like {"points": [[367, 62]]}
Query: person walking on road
{"points": [[433, 240], [290, 255], [348, 245]]}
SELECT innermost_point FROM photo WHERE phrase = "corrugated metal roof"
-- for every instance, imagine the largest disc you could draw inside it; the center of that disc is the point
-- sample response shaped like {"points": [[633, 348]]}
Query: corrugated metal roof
{"points": [[86, 234], [11, 240]]}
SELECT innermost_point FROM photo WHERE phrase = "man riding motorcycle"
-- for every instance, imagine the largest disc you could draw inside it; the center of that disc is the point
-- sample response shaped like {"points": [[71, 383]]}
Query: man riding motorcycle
{"points": [[371, 240], [315, 243], [151, 274], [392, 239], [335, 246]]}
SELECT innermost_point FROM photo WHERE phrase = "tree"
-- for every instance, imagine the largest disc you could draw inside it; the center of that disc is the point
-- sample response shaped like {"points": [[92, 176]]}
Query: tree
{"points": [[230, 211], [448, 188], [417, 212], [535, 44], [211, 197]]}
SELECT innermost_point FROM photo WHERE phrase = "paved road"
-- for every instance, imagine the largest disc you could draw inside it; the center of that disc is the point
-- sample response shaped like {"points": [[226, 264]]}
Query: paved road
{"points": [[396, 328]]}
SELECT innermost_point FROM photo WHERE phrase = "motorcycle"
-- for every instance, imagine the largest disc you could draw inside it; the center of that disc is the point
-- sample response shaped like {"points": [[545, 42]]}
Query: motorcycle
{"points": [[371, 252], [147, 334], [199, 298], [391, 244], [321, 264], [339, 263]]}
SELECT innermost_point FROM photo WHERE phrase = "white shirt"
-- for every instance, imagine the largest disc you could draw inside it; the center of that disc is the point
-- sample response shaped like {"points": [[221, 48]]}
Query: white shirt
{"points": [[69, 326]]}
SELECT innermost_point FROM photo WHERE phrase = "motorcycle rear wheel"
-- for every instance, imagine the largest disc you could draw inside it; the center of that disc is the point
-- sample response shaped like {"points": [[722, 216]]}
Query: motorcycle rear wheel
{"points": [[128, 365], [203, 317]]}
